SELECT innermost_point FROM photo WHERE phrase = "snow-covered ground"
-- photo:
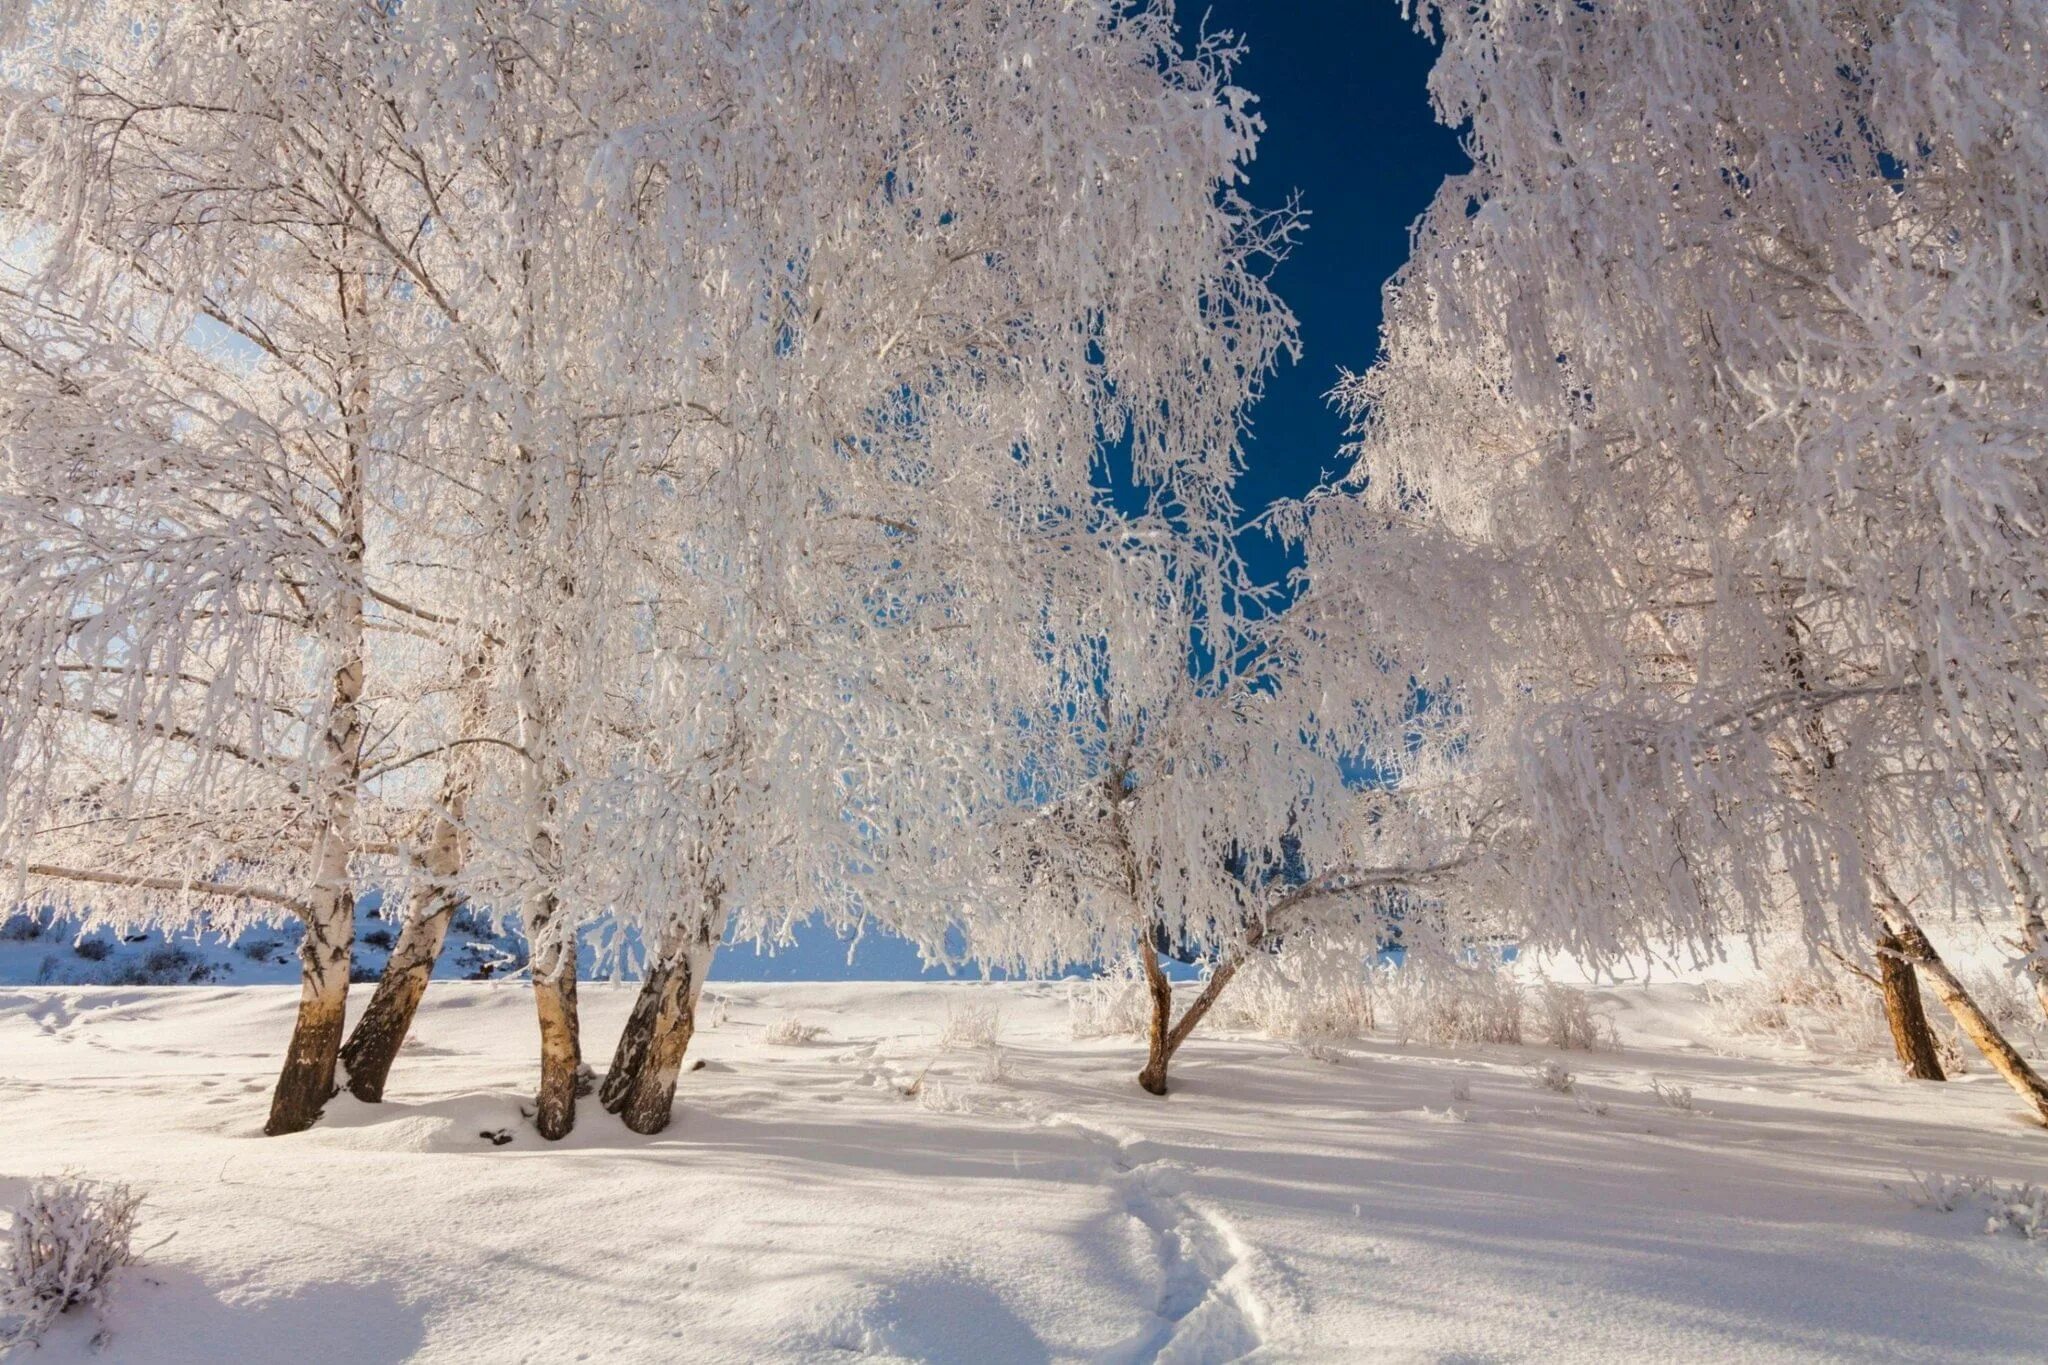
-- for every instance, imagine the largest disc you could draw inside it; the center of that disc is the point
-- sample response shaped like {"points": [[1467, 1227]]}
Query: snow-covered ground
{"points": [[802, 1208]]}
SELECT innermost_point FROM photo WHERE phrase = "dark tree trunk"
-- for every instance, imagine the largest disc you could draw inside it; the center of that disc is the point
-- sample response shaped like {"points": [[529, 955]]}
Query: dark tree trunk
{"points": [[561, 1051], [1159, 1028], [307, 1081], [635, 1039], [1163, 1035], [2005, 1059], [373, 1043], [641, 1086], [1911, 1035]]}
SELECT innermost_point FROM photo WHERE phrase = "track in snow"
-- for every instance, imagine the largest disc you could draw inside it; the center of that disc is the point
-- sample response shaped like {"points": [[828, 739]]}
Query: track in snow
{"points": [[1207, 1314]]}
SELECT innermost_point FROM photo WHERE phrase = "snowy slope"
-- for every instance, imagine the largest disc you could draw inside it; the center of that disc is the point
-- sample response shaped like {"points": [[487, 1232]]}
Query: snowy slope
{"points": [[801, 1208]]}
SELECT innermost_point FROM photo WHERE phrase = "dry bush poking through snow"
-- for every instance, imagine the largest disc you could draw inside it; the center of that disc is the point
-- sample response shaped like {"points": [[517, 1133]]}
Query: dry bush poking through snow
{"points": [[2021, 1209], [1565, 1019], [1796, 998], [995, 1066], [1453, 1005], [1308, 998], [1112, 1006], [790, 1031], [713, 1010], [1674, 1096], [67, 1241], [1820, 1008], [971, 1025]]}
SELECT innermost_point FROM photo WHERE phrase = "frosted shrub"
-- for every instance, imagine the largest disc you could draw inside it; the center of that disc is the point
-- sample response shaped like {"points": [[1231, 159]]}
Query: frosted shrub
{"points": [[971, 1026], [937, 1097], [1453, 1005], [2020, 1208], [994, 1067], [1565, 1019], [1300, 998], [67, 1241], [1799, 1000], [790, 1031], [713, 1010], [1107, 1007], [1552, 1076], [1677, 1097]]}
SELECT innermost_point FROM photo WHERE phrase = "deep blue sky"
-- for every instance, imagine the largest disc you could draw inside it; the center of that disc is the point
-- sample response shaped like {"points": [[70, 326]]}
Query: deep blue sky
{"points": [[1348, 126]]}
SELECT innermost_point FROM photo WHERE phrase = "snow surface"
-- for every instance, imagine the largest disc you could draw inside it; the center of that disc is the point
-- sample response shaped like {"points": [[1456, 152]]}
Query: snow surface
{"points": [[803, 1208]]}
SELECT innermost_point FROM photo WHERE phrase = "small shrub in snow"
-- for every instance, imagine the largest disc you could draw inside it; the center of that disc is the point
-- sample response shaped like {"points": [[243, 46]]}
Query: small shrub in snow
{"points": [[1677, 1097], [1565, 1019], [713, 1010], [379, 939], [1111, 1006], [2020, 1209], [1800, 1000], [93, 949], [67, 1241], [1456, 1005], [1553, 1076], [21, 927], [1312, 991], [994, 1067], [971, 1025], [790, 1031], [260, 949], [165, 966], [937, 1097]]}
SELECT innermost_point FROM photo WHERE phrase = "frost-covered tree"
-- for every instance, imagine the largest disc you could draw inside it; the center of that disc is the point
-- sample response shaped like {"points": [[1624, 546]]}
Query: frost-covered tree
{"points": [[1700, 464], [904, 326], [809, 319], [205, 637], [1197, 802]]}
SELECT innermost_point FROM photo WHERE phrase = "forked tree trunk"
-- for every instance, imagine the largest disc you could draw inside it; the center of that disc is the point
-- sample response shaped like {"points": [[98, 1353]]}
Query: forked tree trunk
{"points": [[561, 1053], [374, 1042], [307, 1081], [1163, 1035], [1911, 1036], [647, 1102], [1915, 947]]}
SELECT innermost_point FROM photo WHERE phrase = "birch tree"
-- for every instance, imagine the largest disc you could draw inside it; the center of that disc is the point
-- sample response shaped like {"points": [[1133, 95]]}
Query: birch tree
{"points": [[1706, 421], [199, 338]]}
